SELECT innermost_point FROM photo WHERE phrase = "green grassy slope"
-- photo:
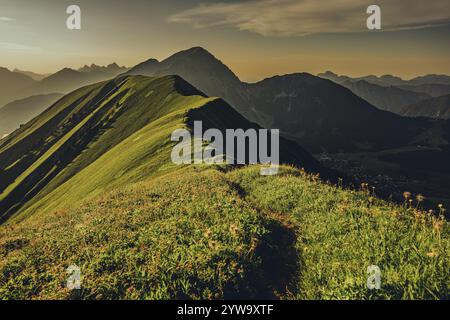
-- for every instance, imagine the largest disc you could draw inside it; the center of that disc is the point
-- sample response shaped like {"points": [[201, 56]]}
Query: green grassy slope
{"points": [[341, 232], [202, 232], [105, 136]]}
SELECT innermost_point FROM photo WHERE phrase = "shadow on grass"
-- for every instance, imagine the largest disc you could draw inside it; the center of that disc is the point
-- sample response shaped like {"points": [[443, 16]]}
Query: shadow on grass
{"points": [[276, 273]]}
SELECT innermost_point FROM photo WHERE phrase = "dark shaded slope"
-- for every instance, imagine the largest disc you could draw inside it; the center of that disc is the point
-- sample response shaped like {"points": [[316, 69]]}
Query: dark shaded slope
{"points": [[322, 115]]}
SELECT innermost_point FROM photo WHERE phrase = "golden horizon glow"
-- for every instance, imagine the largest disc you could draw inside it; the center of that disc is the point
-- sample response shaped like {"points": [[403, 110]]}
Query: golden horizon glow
{"points": [[34, 37]]}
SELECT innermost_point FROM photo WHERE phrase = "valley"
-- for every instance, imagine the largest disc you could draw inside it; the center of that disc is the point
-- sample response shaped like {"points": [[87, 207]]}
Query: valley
{"points": [[392, 172]]}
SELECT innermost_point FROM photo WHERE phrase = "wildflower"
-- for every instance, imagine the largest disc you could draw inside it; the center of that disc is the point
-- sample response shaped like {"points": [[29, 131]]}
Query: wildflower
{"points": [[406, 195], [207, 233], [213, 244], [431, 254], [438, 224], [420, 198], [234, 229]]}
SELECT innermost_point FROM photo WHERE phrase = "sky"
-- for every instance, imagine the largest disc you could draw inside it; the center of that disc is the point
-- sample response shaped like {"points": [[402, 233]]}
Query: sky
{"points": [[255, 38]]}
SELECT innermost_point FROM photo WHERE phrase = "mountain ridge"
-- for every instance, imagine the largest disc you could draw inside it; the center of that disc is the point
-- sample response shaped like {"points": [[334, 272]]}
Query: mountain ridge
{"points": [[98, 131], [212, 76]]}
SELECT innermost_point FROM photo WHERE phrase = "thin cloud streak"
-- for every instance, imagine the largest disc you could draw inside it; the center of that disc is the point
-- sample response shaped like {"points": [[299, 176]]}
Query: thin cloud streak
{"points": [[7, 19], [18, 47], [304, 17]]}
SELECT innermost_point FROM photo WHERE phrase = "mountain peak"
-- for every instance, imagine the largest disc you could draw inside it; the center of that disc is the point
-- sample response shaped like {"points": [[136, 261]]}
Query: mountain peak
{"points": [[4, 70], [327, 73], [293, 77], [196, 65], [65, 71], [151, 61], [198, 50], [196, 53]]}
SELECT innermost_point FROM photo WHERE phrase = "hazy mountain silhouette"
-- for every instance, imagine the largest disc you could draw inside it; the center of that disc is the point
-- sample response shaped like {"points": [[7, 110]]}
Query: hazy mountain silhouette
{"points": [[32, 75], [389, 80], [387, 98], [431, 79], [21, 111], [65, 81], [432, 85], [334, 77], [438, 108], [384, 81], [113, 68], [11, 83]]}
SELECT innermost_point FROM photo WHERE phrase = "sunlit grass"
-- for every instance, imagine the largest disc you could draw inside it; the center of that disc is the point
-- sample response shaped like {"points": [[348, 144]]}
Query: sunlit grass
{"points": [[342, 232], [202, 233]]}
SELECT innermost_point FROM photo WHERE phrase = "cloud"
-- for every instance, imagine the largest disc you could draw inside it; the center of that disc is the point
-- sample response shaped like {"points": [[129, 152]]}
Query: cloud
{"points": [[7, 19], [303, 17], [17, 47]]}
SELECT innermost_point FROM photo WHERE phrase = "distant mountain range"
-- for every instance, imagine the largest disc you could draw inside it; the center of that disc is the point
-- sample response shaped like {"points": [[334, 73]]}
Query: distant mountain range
{"points": [[389, 80], [24, 94], [19, 84], [389, 98], [12, 84], [21, 111], [32, 75], [393, 93], [315, 112], [67, 80], [112, 68]]}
